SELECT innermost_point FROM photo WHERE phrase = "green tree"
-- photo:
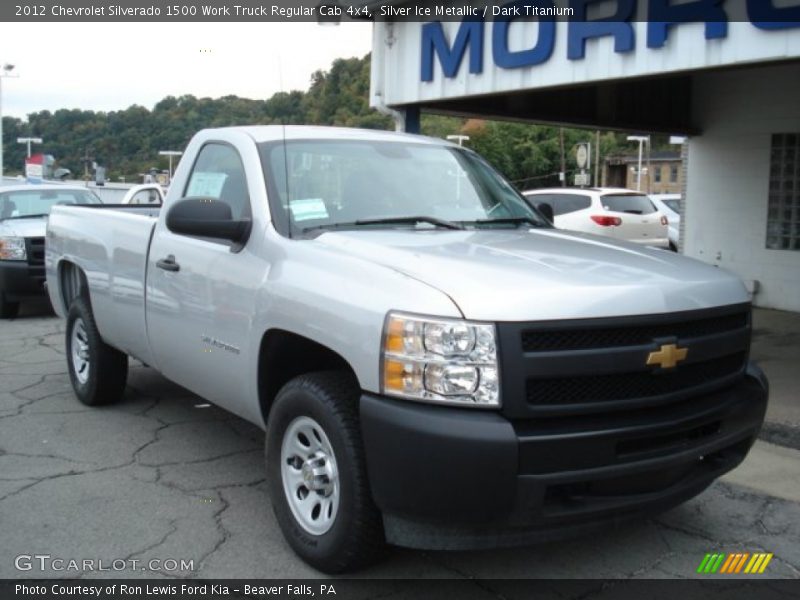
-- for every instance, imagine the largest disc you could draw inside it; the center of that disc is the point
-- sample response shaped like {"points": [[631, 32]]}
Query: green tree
{"points": [[127, 141]]}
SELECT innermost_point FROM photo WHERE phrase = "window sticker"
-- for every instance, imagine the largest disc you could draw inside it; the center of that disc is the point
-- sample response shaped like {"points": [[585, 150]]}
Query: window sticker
{"points": [[206, 185], [308, 208]]}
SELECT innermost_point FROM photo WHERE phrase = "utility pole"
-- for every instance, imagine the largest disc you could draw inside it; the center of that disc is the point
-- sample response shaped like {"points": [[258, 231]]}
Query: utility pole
{"points": [[641, 139], [563, 175], [597, 159], [4, 72], [174, 154], [86, 160]]}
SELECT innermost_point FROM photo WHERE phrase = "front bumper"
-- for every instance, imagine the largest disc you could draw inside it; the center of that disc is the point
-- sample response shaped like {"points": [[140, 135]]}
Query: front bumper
{"points": [[19, 280], [460, 479]]}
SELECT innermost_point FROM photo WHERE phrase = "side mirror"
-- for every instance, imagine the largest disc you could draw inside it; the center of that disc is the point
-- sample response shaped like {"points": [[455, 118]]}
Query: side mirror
{"points": [[546, 209], [206, 217]]}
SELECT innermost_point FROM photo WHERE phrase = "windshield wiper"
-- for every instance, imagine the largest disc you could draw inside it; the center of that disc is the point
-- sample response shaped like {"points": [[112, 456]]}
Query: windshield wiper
{"points": [[389, 221], [413, 220], [28, 216], [508, 221]]}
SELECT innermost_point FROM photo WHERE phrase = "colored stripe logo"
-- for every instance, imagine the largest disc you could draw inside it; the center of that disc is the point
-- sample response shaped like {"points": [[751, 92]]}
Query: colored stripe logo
{"points": [[736, 562]]}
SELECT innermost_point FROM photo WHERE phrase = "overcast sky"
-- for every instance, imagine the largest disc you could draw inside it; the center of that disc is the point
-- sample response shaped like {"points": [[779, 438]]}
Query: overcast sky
{"points": [[111, 66]]}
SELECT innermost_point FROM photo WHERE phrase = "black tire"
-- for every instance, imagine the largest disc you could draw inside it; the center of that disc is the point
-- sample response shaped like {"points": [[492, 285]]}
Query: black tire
{"points": [[103, 382], [8, 310], [356, 538]]}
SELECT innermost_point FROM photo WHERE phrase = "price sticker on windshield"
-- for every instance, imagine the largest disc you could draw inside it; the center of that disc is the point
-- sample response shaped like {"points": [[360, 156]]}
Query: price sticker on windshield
{"points": [[308, 209]]}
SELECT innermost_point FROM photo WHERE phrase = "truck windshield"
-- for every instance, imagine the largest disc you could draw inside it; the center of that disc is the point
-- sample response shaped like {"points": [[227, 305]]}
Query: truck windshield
{"points": [[335, 184], [35, 202]]}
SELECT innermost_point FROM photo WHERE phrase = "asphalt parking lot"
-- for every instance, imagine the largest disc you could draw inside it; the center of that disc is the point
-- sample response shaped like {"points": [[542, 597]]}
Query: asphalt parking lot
{"points": [[165, 476]]}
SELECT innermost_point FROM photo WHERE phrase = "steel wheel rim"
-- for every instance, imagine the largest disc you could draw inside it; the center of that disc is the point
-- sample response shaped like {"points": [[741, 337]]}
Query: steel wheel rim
{"points": [[310, 476], [80, 351]]}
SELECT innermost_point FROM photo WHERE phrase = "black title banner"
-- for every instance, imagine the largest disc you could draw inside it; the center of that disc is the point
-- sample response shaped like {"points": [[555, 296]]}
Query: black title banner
{"points": [[416, 589], [760, 12]]}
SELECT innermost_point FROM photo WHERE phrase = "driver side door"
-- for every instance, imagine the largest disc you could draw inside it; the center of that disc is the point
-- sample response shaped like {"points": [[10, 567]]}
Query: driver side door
{"points": [[200, 302]]}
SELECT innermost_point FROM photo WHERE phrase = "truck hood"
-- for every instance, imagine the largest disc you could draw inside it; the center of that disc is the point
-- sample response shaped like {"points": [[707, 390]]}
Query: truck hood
{"points": [[34, 227], [524, 275]]}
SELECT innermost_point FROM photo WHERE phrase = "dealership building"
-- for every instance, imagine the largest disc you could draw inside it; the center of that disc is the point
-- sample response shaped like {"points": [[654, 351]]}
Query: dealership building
{"points": [[731, 86]]}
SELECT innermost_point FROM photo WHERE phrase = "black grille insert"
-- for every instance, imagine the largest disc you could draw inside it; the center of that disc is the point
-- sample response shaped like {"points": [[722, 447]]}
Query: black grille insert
{"points": [[617, 336], [627, 386], [35, 249]]}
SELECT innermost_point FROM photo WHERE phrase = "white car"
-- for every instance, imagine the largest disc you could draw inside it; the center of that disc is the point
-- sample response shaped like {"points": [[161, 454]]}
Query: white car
{"points": [[24, 210], [614, 212], [670, 205], [146, 193]]}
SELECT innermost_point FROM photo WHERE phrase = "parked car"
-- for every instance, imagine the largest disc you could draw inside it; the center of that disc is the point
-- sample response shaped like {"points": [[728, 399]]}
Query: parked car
{"points": [[670, 206], [614, 212], [434, 364], [23, 218]]}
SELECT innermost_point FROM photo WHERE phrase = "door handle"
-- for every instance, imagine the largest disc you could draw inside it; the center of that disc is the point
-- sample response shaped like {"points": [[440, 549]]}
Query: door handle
{"points": [[168, 264]]}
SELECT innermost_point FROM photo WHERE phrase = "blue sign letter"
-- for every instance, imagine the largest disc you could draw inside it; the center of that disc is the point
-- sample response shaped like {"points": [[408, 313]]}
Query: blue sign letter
{"points": [[434, 41], [541, 52], [662, 15], [761, 11], [581, 29]]}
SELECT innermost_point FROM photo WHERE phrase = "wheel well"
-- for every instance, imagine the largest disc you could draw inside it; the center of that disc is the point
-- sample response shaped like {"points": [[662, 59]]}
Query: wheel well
{"points": [[72, 283], [284, 355]]}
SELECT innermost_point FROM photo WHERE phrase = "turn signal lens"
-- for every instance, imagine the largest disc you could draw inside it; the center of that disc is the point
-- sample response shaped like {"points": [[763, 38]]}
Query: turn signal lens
{"points": [[664, 220]]}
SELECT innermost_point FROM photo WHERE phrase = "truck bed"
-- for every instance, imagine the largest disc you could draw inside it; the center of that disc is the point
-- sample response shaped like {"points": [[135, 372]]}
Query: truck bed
{"points": [[110, 243]]}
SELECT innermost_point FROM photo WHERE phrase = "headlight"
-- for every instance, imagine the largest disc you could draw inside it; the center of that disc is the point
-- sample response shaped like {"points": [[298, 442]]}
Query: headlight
{"points": [[12, 248], [444, 361]]}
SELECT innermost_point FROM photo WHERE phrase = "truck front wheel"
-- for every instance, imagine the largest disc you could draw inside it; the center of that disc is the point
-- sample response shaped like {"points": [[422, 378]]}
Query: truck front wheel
{"points": [[316, 474], [97, 371]]}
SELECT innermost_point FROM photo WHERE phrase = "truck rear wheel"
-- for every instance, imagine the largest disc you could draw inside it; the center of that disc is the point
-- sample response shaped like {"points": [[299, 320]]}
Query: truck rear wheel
{"points": [[97, 371], [316, 474]]}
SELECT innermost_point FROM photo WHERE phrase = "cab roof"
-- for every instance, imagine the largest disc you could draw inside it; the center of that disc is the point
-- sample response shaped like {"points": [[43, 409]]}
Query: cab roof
{"points": [[271, 133]]}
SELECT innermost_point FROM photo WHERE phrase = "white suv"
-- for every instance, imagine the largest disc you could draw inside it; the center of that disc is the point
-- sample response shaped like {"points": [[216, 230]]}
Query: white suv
{"points": [[614, 212]]}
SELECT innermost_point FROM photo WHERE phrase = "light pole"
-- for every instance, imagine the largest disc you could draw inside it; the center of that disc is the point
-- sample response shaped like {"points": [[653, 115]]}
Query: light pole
{"points": [[458, 138], [641, 139], [29, 141], [4, 72], [170, 153]]}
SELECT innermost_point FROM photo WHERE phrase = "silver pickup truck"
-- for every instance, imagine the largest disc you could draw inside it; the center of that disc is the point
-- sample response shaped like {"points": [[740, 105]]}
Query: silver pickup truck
{"points": [[434, 364]]}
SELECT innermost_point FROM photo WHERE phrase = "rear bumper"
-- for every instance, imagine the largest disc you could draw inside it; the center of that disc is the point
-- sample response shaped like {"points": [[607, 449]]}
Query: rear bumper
{"points": [[19, 280], [456, 479], [654, 242]]}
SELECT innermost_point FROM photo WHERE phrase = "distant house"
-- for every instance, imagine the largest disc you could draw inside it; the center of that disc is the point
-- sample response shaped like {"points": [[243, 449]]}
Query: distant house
{"points": [[663, 174]]}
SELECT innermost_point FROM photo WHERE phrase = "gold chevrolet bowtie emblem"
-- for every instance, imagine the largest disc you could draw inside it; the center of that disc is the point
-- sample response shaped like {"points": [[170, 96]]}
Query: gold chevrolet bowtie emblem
{"points": [[668, 356]]}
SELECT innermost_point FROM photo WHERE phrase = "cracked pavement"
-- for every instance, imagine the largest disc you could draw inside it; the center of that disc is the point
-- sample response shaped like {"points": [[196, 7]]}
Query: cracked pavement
{"points": [[161, 476]]}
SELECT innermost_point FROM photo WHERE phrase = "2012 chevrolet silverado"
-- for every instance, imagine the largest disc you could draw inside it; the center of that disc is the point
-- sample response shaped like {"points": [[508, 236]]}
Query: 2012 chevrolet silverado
{"points": [[434, 364]]}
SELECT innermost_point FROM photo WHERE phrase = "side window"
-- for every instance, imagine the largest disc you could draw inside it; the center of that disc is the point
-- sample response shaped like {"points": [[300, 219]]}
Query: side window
{"points": [[218, 173], [565, 203]]}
